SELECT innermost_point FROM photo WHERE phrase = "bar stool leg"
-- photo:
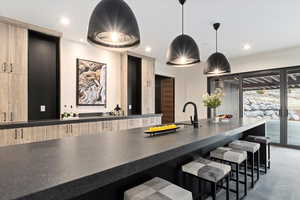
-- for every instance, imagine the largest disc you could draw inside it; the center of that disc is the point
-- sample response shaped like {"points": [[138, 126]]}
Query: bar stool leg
{"points": [[269, 153], [252, 170], [258, 163], [267, 158], [245, 179], [237, 182], [227, 187], [214, 191]]}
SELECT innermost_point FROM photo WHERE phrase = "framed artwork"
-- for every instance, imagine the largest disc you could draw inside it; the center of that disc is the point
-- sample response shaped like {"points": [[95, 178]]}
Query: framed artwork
{"points": [[91, 83]]}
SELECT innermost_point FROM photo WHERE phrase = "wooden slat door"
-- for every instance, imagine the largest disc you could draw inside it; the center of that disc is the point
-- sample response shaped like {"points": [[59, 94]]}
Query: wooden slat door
{"points": [[167, 100]]}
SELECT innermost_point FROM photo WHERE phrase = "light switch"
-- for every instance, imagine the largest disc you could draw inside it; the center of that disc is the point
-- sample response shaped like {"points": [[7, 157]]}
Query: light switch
{"points": [[43, 108]]}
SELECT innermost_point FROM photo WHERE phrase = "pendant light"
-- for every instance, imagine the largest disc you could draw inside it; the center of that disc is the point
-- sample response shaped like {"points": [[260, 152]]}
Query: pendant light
{"points": [[183, 51], [217, 63], [113, 25]]}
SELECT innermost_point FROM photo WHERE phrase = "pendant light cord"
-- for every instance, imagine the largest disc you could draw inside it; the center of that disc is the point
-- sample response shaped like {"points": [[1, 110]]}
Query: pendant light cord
{"points": [[182, 18], [216, 40]]}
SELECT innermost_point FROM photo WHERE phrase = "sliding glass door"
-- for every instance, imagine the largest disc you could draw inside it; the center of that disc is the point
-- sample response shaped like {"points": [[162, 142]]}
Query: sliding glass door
{"points": [[269, 94], [262, 100], [293, 107]]}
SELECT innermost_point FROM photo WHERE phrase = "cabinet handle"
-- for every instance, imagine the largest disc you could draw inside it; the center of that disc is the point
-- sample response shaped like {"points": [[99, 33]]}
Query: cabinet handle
{"points": [[71, 128], [67, 128], [11, 67], [11, 116], [4, 67], [4, 117], [16, 134], [22, 134]]}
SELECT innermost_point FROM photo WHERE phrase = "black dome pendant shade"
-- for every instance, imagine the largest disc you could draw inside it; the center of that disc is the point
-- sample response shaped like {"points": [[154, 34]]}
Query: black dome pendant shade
{"points": [[113, 25], [217, 63], [183, 51]]}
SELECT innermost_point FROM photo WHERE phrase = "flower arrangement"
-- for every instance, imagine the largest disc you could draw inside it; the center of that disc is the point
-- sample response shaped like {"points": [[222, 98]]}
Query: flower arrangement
{"points": [[214, 100]]}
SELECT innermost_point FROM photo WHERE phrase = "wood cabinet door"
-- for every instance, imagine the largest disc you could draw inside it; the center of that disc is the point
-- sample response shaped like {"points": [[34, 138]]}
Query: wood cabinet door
{"points": [[4, 97], [18, 50], [95, 128], [17, 101], [146, 122], [84, 128], [5, 137], [33, 134], [4, 47], [123, 124], [64, 130], [52, 132], [17, 78], [115, 125], [15, 136], [148, 86], [134, 123]]}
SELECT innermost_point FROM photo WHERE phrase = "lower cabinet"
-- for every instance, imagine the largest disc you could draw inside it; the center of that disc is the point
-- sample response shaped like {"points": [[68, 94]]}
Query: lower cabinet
{"points": [[123, 124], [43, 133]]}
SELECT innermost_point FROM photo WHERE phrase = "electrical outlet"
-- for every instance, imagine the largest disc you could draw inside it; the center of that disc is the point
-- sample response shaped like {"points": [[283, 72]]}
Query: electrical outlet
{"points": [[43, 108]]}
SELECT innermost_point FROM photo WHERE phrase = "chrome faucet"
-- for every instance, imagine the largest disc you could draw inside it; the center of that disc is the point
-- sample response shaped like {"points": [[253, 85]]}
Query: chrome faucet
{"points": [[195, 120]]}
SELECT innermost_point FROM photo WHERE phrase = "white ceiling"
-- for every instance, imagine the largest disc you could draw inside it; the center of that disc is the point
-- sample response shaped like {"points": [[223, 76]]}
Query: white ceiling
{"points": [[265, 24]]}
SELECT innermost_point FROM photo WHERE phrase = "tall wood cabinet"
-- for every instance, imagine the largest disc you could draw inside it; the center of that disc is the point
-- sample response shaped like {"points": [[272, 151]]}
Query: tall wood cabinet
{"points": [[148, 83], [13, 73]]}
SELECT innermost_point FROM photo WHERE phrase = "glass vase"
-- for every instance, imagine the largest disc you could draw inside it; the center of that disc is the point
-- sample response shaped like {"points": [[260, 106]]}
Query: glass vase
{"points": [[214, 117]]}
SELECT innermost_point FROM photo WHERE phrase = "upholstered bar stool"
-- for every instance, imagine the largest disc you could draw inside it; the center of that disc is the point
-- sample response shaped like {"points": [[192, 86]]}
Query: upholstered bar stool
{"points": [[157, 189], [208, 171], [233, 157], [265, 149], [252, 149]]}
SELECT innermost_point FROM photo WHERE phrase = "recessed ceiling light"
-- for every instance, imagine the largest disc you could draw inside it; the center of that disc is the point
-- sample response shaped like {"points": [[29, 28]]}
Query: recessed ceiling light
{"points": [[64, 21], [247, 47], [148, 49]]}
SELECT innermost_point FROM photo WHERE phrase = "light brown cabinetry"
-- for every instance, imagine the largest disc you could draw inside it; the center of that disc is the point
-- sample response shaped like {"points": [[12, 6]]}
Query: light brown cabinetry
{"points": [[13, 73], [135, 123], [43, 133], [148, 86], [123, 124]]}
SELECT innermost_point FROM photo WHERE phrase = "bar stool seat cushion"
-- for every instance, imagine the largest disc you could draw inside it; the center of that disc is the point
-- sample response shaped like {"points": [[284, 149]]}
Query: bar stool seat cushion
{"points": [[251, 147], [207, 169], [157, 189], [229, 154], [259, 139]]}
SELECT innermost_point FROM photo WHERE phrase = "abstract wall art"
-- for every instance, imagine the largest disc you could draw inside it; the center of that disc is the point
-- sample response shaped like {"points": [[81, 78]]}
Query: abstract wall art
{"points": [[91, 83]]}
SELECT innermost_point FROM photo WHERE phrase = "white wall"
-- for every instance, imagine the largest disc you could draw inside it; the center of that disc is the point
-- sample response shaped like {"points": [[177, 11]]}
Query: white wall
{"points": [[190, 84], [267, 60], [70, 51]]}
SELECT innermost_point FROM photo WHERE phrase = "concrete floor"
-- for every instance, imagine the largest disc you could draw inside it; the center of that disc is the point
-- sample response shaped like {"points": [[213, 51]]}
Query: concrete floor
{"points": [[281, 183]]}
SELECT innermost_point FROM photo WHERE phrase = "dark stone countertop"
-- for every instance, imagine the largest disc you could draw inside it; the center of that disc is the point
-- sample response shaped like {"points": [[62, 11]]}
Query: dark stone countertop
{"points": [[12, 125], [69, 167]]}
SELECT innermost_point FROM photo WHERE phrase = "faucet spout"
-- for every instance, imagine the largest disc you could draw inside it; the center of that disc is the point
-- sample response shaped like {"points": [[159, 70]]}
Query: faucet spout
{"points": [[195, 121]]}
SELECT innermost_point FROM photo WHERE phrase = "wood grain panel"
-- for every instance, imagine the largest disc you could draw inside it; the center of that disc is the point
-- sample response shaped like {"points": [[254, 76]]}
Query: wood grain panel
{"points": [[167, 100]]}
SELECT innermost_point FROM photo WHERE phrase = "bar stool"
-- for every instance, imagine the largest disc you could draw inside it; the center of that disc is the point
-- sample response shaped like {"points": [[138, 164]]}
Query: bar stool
{"points": [[252, 149], [265, 152], [157, 189], [208, 171], [233, 157]]}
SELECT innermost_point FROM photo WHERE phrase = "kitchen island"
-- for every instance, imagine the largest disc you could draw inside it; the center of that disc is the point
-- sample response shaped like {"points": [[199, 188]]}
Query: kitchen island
{"points": [[102, 166]]}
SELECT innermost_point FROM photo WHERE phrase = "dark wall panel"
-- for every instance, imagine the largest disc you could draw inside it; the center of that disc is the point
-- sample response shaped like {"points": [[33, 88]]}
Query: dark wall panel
{"points": [[134, 85], [43, 76]]}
